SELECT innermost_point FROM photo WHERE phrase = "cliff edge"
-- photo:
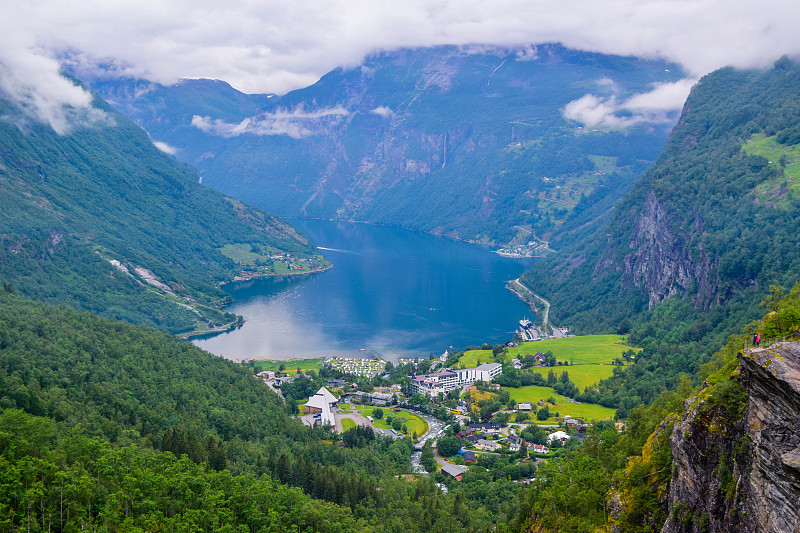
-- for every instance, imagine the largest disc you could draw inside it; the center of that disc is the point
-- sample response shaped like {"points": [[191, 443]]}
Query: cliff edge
{"points": [[736, 458]]}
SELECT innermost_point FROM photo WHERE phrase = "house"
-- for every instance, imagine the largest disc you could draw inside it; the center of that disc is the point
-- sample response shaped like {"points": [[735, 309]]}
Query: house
{"points": [[540, 448], [539, 357], [333, 383], [454, 471], [468, 455], [524, 406], [488, 428], [266, 375], [514, 447], [374, 398], [516, 363], [488, 445], [323, 403]]}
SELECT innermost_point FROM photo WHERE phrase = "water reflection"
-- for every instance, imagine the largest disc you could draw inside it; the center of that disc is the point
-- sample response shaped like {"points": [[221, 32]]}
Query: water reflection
{"points": [[391, 292]]}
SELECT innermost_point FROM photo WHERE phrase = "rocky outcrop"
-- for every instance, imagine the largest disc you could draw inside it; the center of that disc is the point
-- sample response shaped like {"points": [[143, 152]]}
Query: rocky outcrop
{"points": [[660, 260], [741, 475]]}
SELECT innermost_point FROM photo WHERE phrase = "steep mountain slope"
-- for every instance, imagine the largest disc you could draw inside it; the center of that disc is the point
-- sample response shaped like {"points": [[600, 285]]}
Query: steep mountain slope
{"points": [[101, 220], [465, 142], [740, 472], [709, 227]]}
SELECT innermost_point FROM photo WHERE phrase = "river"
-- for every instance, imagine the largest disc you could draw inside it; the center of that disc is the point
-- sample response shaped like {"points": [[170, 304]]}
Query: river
{"points": [[392, 292]]}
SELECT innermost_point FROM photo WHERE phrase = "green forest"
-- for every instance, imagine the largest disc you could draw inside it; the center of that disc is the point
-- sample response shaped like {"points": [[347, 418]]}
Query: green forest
{"points": [[112, 426], [73, 203]]}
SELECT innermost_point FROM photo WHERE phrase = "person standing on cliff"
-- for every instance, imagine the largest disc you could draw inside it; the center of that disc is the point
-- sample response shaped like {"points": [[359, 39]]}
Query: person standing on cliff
{"points": [[756, 339]]}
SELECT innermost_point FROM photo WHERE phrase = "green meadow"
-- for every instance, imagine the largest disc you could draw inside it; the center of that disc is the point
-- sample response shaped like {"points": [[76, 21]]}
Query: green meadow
{"points": [[586, 349], [412, 421], [583, 350], [581, 375], [292, 365], [564, 406]]}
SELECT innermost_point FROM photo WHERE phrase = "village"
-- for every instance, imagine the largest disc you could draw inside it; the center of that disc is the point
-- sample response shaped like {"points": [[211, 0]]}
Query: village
{"points": [[455, 415]]}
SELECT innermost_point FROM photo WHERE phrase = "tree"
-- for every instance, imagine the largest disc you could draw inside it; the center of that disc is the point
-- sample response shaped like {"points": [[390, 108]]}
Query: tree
{"points": [[397, 424], [377, 413], [543, 413], [448, 446], [427, 460]]}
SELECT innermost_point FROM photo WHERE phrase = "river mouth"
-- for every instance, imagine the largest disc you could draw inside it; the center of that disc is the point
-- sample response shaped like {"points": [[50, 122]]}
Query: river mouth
{"points": [[391, 293]]}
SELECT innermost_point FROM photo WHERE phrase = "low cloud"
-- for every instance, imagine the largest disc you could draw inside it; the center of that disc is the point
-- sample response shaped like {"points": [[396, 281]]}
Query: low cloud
{"points": [[296, 123], [32, 81], [382, 111], [657, 106], [164, 147]]}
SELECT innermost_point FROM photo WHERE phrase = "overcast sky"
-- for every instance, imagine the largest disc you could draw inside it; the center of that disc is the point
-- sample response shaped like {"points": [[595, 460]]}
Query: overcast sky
{"points": [[280, 45]]}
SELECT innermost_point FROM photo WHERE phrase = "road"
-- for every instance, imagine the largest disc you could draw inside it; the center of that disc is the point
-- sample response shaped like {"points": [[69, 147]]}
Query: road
{"points": [[546, 318]]}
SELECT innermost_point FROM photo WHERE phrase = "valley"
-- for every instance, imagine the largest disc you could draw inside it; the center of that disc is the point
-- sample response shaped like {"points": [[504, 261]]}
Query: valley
{"points": [[173, 358]]}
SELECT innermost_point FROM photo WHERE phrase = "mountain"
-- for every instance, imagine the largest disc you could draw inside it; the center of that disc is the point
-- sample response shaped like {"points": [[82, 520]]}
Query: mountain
{"points": [[697, 242], [466, 142], [100, 219]]}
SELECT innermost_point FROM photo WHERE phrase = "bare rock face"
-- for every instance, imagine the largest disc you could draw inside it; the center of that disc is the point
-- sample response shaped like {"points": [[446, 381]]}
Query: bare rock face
{"points": [[660, 261], [741, 476]]}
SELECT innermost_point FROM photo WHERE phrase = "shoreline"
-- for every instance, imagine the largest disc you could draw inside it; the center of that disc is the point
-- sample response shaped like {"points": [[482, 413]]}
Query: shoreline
{"points": [[513, 284], [238, 279], [239, 322]]}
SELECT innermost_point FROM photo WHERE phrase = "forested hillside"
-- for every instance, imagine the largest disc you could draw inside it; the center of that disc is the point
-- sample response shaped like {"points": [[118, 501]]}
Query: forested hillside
{"points": [[94, 412], [470, 143], [100, 219], [696, 460], [697, 242]]}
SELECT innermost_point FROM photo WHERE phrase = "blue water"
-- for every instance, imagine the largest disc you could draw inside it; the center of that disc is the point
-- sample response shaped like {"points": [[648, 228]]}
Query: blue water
{"points": [[393, 292]]}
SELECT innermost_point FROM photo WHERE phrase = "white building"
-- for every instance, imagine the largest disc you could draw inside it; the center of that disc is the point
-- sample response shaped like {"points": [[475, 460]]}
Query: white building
{"points": [[323, 402], [488, 445], [560, 435], [433, 384]]}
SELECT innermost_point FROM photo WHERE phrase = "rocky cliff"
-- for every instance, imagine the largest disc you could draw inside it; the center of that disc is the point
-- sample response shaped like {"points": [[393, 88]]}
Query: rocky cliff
{"points": [[741, 474]]}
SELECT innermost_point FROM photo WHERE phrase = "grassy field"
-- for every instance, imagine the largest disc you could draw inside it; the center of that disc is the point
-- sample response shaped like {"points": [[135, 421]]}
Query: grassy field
{"points": [[292, 364], [412, 421], [586, 349], [772, 150], [564, 405], [241, 253], [581, 375], [533, 393], [347, 424]]}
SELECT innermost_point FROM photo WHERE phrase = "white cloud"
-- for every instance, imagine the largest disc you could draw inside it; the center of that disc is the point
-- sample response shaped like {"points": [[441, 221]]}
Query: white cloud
{"points": [[382, 111], [31, 79], [527, 53], [296, 123], [164, 147], [652, 107]]}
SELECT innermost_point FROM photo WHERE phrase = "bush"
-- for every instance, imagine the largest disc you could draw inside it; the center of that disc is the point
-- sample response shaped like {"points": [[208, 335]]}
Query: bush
{"points": [[449, 446]]}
